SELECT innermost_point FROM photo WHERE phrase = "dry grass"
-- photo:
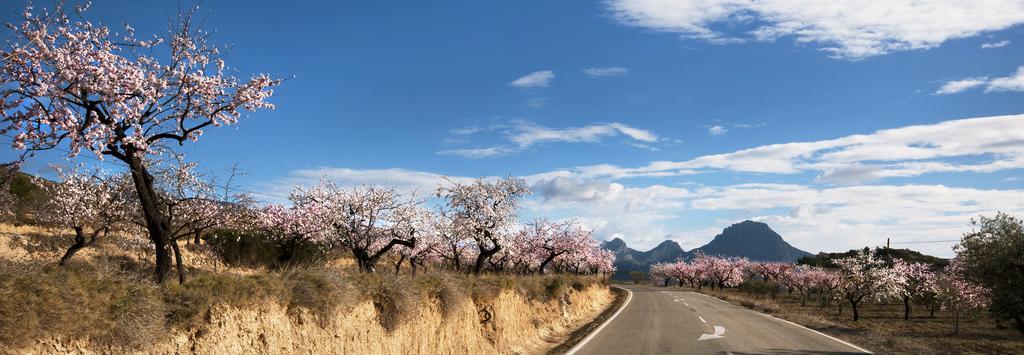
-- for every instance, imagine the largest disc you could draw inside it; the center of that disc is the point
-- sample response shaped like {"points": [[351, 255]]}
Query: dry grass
{"points": [[882, 329], [105, 304], [106, 295], [110, 300]]}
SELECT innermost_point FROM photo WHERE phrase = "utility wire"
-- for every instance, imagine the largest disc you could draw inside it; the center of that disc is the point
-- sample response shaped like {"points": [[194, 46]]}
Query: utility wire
{"points": [[122, 165]]}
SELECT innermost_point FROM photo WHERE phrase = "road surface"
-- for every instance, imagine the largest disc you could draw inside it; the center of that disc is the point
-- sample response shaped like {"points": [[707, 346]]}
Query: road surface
{"points": [[660, 320]]}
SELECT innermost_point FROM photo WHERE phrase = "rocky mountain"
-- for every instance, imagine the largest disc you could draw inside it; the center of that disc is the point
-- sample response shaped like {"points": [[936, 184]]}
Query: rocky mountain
{"points": [[753, 240], [628, 259]]}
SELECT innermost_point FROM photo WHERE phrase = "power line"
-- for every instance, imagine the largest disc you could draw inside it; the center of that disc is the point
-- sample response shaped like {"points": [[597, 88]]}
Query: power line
{"points": [[122, 165], [930, 241]]}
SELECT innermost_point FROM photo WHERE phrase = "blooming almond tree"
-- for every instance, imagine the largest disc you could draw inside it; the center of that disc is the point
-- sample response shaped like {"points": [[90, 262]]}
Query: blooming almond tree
{"points": [[429, 243], [291, 226], [367, 220], [660, 273], [68, 81], [918, 280], [483, 211], [863, 275], [90, 203], [958, 294], [550, 240]]}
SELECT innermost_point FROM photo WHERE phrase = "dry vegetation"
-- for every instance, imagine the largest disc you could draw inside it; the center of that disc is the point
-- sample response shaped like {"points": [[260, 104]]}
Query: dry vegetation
{"points": [[882, 329], [105, 296]]}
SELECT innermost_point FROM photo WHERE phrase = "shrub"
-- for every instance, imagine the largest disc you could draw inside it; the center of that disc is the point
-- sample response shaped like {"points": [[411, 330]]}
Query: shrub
{"points": [[238, 248], [759, 288], [443, 288], [391, 296]]}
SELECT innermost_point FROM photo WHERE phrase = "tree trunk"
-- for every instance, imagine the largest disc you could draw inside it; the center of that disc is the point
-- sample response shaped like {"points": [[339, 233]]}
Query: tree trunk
{"points": [[906, 308], [856, 314], [484, 255], [956, 322], [398, 265], [196, 240], [368, 263], [288, 251], [547, 260], [80, 243], [177, 261], [157, 223], [932, 310]]}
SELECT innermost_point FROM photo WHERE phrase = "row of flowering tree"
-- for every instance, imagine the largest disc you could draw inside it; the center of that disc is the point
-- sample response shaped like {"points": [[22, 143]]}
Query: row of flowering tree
{"points": [[473, 227], [858, 278]]}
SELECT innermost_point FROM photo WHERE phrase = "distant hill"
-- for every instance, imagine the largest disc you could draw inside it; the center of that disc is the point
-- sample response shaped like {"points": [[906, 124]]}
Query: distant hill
{"points": [[752, 240], [28, 195], [826, 259], [628, 260]]}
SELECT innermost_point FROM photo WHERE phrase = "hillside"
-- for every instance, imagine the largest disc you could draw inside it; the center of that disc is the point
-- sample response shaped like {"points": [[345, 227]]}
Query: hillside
{"points": [[628, 260], [753, 240], [826, 259]]}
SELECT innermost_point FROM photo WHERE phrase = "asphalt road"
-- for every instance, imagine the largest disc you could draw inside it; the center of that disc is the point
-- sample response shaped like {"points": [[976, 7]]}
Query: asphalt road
{"points": [[659, 320]]}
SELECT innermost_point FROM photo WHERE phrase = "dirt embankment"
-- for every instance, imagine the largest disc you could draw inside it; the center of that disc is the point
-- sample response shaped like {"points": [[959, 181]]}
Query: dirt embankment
{"points": [[511, 320], [509, 324]]}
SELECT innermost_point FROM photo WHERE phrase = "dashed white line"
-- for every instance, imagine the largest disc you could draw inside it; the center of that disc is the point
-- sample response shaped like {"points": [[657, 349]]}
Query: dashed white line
{"points": [[702, 319]]}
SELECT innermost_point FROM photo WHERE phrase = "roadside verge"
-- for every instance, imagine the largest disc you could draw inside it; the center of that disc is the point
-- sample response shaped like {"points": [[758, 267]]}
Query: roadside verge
{"points": [[582, 335]]}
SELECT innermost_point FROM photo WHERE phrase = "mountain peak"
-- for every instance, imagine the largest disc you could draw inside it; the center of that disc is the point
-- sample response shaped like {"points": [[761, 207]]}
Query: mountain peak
{"points": [[753, 240], [669, 243], [615, 244]]}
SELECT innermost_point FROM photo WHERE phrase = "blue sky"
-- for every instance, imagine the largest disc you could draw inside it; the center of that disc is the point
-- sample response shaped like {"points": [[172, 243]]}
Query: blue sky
{"points": [[634, 115]]}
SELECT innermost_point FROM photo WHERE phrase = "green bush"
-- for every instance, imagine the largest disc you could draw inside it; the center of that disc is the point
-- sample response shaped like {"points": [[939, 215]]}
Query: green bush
{"points": [[238, 248]]}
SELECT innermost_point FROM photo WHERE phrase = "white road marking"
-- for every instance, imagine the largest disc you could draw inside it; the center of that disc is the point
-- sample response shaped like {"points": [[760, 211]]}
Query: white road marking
{"points": [[819, 333], [702, 320], [629, 297], [686, 304], [800, 326], [719, 331]]}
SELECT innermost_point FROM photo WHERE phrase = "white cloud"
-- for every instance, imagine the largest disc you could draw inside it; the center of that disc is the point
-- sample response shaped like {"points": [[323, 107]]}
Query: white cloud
{"points": [[1013, 82], [606, 72], [536, 102], [717, 130], [810, 218], [988, 143], [999, 44], [851, 29], [534, 80], [477, 153], [522, 134], [409, 181], [850, 217], [813, 219], [956, 86]]}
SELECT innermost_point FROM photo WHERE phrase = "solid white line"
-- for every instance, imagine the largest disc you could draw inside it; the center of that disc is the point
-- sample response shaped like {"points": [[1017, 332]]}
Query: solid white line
{"points": [[629, 296], [819, 333], [702, 319], [800, 326]]}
